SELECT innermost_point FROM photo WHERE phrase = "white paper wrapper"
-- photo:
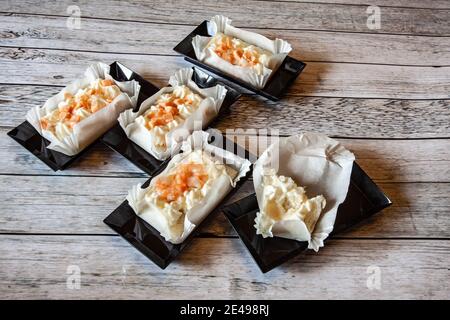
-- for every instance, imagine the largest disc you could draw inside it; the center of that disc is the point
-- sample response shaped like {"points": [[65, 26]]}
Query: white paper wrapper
{"points": [[220, 24], [89, 129], [316, 162], [199, 119], [220, 188]]}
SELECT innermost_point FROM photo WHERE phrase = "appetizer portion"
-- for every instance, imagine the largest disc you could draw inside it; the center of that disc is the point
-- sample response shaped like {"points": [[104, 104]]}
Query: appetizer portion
{"points": [[283, 200], [244, 55], [240, 53], [167, 118], [75, 108], [84, 110], [300, 181], [191, 186], [183, 188], [169, 111]]}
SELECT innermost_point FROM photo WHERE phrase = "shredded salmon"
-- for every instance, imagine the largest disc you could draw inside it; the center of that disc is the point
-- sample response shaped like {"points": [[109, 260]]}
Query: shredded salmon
{"points": [[165, 112], [68, 115], [186, 177], [44, 123], [107, 82], [235, 55]]}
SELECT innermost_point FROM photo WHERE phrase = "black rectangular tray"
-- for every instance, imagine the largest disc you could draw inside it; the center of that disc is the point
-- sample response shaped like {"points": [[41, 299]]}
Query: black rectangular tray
{"points": [[147, 239], [364, 198], [26, 135], [278, 83], [116, 139]]}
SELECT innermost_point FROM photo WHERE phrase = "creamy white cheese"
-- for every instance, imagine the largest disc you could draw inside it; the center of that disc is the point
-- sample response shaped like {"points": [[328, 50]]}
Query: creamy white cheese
{"points": [[284, 202], [171, 214], [240, 53], [71, 110], [189, 102]]}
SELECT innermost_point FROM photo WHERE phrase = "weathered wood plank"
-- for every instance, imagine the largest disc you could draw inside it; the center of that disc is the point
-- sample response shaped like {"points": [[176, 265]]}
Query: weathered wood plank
{"points": [[433, 4], [260, 14], [98, 161], [59, 67], [37, 267], [20, 30], [418, 211], [343, 117], [384, 160], [51, 204]]}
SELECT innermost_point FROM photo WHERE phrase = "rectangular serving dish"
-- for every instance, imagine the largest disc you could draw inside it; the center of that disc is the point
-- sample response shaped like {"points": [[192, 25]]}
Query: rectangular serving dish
{"points": [[26, 135], [364, 198], [116, 139], [147, 239], [282, 78]]}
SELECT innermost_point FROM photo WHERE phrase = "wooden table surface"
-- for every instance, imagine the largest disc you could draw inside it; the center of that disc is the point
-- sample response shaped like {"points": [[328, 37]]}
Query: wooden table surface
{"points": [[384, 93]]}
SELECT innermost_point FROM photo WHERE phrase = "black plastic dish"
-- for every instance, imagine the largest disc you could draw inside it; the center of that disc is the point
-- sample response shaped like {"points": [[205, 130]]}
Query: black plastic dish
{"points": [[278, 83], [26, 135], [364, 198], [117, 140], [147, 239]]}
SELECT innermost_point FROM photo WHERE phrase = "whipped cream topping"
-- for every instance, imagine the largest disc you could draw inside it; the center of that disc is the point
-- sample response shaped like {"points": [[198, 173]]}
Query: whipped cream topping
{"points": [[184, 187], [240, 53], [75, 108], [170, 110], [283, 200]]}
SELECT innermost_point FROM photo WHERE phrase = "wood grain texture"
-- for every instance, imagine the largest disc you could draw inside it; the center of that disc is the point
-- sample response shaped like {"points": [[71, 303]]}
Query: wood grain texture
{"points": [[342, 117], [428, 4], [259, 14], [383, 93], [18, 30], [59, 67], [220, 269], [51, 204], [384, 160]]}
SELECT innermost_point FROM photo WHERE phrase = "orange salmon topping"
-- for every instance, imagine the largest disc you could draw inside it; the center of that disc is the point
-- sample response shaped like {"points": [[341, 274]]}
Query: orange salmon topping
{"points": [[67, 113], [186, 177], [165, 113], [107, 82], [235, 55]]}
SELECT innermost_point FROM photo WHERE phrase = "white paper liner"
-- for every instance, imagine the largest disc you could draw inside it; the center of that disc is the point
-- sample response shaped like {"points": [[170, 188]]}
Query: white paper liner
{"points": [[89, 129], [207, 110], [220, 24], [220, 188], [320, 164]]}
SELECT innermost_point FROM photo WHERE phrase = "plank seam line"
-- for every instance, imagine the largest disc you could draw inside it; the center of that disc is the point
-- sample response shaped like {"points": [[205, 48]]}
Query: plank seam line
{"points": [[237, 134], [357, 5], [206, 236], [132, 176], [255, 28], [339, 137], [256, 96], [177, 55], [125, 175]]}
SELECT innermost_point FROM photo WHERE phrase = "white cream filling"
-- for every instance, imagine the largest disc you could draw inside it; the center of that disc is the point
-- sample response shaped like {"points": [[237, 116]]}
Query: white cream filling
{"points": [[284, 201], [63, 128], [264, 56], [171, 215], [159, 133]]}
